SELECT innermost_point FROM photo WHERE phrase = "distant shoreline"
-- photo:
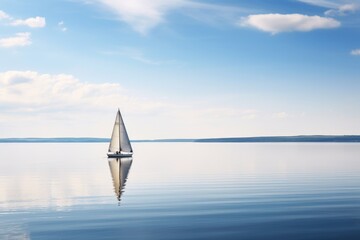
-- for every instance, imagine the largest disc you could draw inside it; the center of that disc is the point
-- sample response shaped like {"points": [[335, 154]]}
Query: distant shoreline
{"points": [[276, 139]]}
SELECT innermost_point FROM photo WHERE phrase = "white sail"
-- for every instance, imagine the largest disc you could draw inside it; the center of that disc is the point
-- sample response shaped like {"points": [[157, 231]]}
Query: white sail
{"points": [[125, 145], [115, 136]]}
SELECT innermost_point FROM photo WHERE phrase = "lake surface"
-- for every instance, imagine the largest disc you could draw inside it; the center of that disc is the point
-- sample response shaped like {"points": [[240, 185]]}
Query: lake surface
{"points": [[180, 191]]}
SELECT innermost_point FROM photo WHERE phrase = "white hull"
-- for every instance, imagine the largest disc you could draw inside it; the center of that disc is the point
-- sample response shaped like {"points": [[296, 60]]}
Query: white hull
{"points": [[118, 155]]}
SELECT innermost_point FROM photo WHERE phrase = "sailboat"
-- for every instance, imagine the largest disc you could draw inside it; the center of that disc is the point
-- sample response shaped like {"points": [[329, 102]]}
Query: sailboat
{"points": [[119, 144]]}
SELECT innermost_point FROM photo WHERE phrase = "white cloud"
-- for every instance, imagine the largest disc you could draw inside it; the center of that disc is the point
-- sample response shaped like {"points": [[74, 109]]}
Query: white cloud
{"points": [[31, 91], [19, 40], [144, 15], [3, 15], [336, 7], [322, 3], [35, 104], [62, 27], [342, 10], [355, 52], [276, 23], [348, 7], [39, 91], [35, 22]]}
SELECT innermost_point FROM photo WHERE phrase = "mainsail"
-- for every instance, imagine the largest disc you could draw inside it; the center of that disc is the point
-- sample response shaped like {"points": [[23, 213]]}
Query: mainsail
{"points": [[119, 139], [115, 136]]}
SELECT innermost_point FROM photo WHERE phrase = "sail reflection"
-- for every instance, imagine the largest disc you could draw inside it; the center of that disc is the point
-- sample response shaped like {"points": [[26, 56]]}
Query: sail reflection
{"points": [[119, 168]]}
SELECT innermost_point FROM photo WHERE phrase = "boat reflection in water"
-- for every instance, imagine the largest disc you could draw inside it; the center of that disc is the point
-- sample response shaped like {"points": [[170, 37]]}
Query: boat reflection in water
{"points": [[119, 168]]}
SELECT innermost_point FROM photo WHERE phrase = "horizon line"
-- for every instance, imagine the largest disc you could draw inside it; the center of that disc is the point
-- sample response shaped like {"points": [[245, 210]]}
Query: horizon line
{"points": [[293, 138]]}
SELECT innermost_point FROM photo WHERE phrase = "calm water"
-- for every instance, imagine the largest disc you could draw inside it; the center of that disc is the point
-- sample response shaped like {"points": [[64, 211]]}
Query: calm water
{"points": [[180, 191]]}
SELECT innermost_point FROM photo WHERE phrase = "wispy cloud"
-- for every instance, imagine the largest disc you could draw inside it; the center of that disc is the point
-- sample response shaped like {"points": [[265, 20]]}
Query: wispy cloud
{"points": [[134, 54], [277, 23], [343, 10], [144, 15], [355, 52], [335, 7], [19, 40], [322, 3], [62, 27], [34, 22], [4, 15]]}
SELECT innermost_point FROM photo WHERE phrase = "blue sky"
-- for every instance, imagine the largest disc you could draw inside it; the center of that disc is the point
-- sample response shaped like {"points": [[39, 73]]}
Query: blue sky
{"points": [[179, 68]]}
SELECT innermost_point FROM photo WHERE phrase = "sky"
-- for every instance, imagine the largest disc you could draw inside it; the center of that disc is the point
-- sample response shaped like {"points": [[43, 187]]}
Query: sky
{"points": [[179, 68]]}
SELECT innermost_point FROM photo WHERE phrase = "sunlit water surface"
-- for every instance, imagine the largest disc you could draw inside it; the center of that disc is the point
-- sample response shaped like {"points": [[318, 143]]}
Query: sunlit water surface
{"points": [[180, 191]]}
